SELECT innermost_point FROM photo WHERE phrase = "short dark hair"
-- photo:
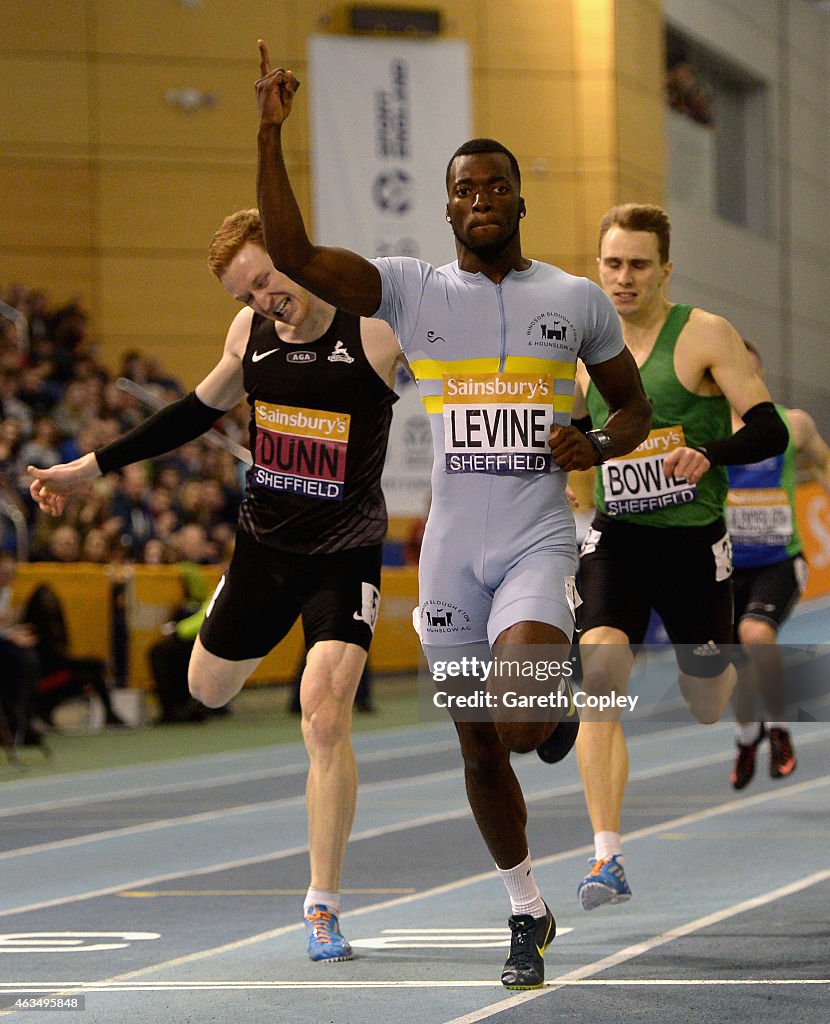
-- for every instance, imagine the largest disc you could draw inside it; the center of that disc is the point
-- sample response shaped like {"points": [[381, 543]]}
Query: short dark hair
{"points": [[639, 217], [484, 146]]}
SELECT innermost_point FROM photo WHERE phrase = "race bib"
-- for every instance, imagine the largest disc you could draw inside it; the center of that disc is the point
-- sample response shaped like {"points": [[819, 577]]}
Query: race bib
{"points": [[759, 516], [497, 423], [301, 451], [636, 482]]}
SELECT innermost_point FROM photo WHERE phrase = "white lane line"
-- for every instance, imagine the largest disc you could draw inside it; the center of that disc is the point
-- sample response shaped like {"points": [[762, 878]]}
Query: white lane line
{"points": [[217, 815], [86, 987], [462, 812], [201, 817], [276, 772], [461, 883], [639, 948]]}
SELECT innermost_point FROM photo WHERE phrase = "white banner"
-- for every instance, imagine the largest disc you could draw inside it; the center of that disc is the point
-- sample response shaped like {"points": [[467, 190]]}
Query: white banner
{"points": [[386, 116]]}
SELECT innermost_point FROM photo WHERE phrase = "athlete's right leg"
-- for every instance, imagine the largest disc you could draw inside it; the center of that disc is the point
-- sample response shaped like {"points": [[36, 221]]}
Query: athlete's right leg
{"points": [[602, 756], [214, 680], [494, 793], [601, 750], [499, 808]]}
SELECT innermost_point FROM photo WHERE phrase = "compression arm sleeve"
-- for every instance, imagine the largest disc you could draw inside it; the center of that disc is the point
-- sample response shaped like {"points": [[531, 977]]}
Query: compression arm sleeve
{"points": [[764, 434], [170, 427]]}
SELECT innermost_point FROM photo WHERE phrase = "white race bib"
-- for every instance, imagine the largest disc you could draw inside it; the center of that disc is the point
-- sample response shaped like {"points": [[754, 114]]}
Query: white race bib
{"points": [[636, 482], [759, 516], [497, 423]]}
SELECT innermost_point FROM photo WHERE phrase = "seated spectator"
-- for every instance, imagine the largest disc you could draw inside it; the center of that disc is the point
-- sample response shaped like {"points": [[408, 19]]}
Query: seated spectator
{"points": [[96, 547], [11, 405], [131, 509], [64, 545], [42, 447], [169, 658], [75, 409], [156, 552], [19, 665], [62, 676]]}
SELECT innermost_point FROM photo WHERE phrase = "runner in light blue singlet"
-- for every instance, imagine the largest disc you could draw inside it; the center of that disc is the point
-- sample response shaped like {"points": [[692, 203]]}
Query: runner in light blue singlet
{"points": [[495, 367]]}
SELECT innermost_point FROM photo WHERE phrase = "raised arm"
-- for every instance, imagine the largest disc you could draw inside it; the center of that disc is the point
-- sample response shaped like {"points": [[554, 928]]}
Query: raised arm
{"points": [[338, 276], [629, 417]]}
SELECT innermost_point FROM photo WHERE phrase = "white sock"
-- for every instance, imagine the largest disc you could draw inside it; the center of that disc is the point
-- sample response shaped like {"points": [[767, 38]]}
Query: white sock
{"points": [[778, 725], [607, 844], [747, 734], [328, 899], [521, 886]]}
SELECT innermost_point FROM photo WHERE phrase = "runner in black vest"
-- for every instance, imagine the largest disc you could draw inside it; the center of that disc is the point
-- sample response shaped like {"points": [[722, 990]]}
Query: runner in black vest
{"points": [[311, 524]]}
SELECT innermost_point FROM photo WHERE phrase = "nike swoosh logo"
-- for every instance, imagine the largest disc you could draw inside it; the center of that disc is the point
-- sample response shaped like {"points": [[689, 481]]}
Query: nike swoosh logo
{"points": [[255, 358]]}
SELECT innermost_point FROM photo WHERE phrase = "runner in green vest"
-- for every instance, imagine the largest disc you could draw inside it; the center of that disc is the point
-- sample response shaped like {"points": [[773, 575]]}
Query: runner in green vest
{"points": [[658, 540]]}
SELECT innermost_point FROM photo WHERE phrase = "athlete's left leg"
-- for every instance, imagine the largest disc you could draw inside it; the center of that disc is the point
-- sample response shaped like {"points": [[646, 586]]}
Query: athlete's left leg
{"points": [[332, 673]]}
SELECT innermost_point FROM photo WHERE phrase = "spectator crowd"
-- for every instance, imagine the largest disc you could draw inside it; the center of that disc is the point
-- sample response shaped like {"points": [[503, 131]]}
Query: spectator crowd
{"points": [[58, 402]]}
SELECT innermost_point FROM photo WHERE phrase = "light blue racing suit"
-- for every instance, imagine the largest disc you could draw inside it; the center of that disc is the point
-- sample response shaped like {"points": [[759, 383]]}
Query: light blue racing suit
{"points": [[495, 367]]}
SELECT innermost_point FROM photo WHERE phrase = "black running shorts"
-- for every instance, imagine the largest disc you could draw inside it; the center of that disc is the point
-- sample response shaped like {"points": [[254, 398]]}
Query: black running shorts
{"points": [[264, 591], [683, 572], [769, 592]]}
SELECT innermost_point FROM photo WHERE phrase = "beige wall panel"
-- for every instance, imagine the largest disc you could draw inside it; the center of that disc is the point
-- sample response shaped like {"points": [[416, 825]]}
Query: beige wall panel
{"points": [[596, 132], [635, 188], [45, 203], [135, 113], [462, 20], [53, 95], [640, 43], [533, 35], [61, 274], [641, 132], [552, 214], [599, 194], [165, 297], [58, 26], [169, 206], [225, 29], [541, 126], [594, 35]]}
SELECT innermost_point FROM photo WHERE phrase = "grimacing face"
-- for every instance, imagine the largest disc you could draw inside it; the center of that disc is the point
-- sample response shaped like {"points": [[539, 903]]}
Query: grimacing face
{"points": [[630, 270], [252, 279]]}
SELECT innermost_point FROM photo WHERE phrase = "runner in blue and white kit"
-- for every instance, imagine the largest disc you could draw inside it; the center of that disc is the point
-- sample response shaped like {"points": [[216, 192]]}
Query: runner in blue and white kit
{"points": [[493, 342]]}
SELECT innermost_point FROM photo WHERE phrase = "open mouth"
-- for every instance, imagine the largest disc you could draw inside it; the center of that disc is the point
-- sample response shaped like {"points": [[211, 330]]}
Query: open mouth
{"points": [[282, 308]]}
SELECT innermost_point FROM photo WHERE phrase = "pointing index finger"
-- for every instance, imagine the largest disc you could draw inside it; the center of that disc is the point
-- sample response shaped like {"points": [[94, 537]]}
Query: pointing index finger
{"points": [[264, 59]]}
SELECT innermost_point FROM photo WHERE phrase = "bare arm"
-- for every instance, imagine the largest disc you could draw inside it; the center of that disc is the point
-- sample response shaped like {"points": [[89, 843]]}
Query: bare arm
{"points": [[381, 348], [338, 276], [629, 417], [809, 441], [715, 350]]}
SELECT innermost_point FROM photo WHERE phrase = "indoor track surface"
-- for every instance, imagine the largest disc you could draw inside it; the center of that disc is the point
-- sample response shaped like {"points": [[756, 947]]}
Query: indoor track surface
{"points": [[172, 892]]}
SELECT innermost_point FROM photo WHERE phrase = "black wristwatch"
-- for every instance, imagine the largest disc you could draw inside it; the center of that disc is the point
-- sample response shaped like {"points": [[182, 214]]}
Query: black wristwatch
{"points": [[602, 442]]}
